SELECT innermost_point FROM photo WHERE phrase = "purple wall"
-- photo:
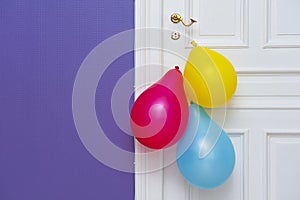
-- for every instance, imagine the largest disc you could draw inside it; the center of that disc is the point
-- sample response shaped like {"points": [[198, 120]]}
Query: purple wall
{"points": [[42, 44]]}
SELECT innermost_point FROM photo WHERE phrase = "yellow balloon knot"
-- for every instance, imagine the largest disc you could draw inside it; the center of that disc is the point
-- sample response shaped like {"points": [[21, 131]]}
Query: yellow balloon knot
{"points": [[194, 43]]}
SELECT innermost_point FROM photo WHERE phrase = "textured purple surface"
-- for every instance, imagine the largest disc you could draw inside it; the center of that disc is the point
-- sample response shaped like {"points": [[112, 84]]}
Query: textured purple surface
{"points": [[42, 44]]}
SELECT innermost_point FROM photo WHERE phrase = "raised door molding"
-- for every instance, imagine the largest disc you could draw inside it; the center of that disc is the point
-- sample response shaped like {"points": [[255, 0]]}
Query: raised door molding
{"points": [[267, 89], [231, 31], [282, 18], [282, 153]]}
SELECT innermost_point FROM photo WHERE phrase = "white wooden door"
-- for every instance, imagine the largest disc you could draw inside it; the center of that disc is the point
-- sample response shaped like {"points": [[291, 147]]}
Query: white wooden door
{"points": [[262, 40]]}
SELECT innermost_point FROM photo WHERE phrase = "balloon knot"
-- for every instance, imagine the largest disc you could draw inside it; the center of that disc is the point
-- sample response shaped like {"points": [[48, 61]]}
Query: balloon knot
{"points": [[194, 43], [177, 69]]}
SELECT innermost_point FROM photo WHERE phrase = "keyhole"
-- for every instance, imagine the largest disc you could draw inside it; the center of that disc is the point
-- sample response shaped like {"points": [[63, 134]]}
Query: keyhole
{"points": [[175, 35]]}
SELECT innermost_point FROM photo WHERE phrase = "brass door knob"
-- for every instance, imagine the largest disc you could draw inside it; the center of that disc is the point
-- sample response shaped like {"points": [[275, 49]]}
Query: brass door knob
{"points": [[176, 18]]}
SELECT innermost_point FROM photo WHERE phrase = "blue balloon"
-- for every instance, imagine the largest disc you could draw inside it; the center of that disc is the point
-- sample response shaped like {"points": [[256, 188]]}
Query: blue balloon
{"points": [[213, 169]]}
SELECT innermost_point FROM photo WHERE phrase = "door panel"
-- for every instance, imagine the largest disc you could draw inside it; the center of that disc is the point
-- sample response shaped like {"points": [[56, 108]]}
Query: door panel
{"points": [[282, 158], [221, 23]]}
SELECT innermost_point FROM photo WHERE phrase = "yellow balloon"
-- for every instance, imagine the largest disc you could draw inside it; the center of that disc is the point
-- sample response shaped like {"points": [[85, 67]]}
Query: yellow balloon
{"points": [[210, 79]]}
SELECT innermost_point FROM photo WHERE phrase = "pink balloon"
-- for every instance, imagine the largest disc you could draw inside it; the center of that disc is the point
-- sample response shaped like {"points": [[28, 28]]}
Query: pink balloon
{"points": [[160, 115]]}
